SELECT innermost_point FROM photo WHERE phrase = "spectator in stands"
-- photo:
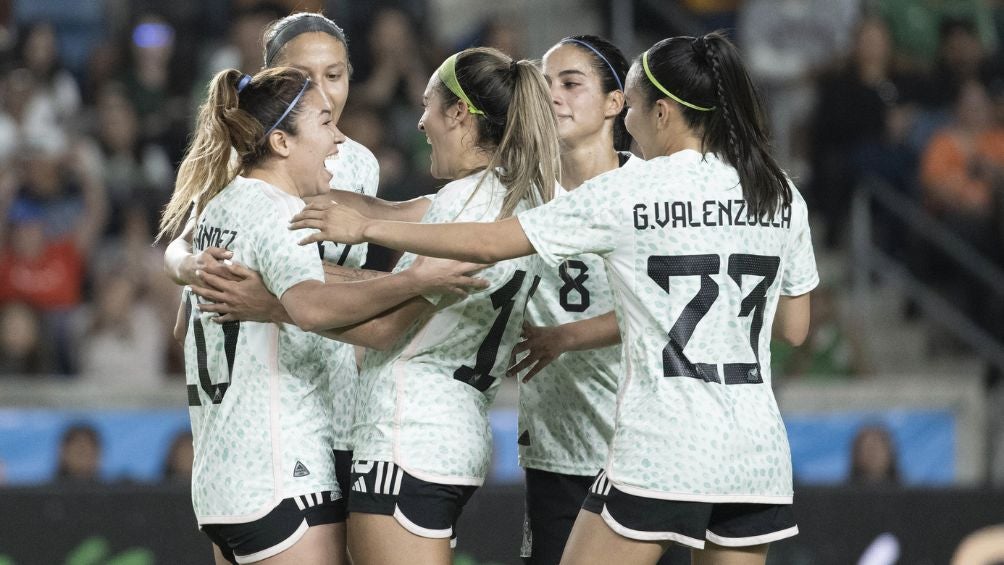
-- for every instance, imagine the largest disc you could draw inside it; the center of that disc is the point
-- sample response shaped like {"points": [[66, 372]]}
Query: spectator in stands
{"points": [[787, 45], [962, 175], [179, 460], [23, 350], [859, 126], [54, 223], [134, 170], [243, 48], [55, 100], [873, 457], [398, 71], [124, 339], [963, 167], [916, 26], [79, 455], [156, 91]]}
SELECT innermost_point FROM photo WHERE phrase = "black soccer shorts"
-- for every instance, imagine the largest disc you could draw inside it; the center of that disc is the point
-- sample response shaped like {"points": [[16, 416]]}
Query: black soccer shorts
{"points": [[430, 510], [278, 530], [689, 523]]}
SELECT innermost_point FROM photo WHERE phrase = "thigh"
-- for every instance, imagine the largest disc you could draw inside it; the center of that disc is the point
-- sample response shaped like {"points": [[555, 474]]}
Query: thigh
{"points": [[552, 503], [320, 545], [282, 531], [592, 542], [377, 539], [718, 555]]}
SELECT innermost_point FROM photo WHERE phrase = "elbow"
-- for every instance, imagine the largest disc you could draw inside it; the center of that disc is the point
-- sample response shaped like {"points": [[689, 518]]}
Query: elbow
{"points": [[794, 337], [382, 337], [307, 319]]}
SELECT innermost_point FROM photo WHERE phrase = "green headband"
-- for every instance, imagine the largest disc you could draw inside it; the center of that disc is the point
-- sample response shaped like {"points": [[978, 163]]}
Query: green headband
{"points": [[447, 73], [651, 77]]}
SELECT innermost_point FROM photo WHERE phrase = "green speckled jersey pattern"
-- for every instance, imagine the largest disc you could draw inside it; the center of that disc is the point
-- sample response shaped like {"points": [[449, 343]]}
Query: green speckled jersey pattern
{"points": [[696, 285], [566, 412], [355, 169], [424, 403], [258, 393]]}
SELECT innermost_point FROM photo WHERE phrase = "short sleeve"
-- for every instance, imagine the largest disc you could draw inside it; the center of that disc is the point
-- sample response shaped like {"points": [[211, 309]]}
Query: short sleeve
{"points": [[582, 221], [282, 262], [800, 275]]}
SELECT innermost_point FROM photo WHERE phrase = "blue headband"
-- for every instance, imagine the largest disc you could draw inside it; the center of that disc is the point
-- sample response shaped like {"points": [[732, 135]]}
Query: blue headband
{"points": [[620, 85], [288, 108], [243, 83]]}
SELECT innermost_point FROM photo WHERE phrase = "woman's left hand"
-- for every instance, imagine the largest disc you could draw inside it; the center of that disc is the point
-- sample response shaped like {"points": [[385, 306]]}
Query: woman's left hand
{"points": [[543, 345], [241, 297], [333, 222]]}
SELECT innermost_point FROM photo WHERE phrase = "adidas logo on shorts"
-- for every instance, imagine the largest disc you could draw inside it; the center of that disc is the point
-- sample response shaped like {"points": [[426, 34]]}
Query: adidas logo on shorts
{"points": [[300, 470]]}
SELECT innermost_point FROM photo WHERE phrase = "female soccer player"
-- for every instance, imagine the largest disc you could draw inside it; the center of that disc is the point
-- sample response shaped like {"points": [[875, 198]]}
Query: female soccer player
{"points": [[566, 412], [422, 437], [317, 46], [263, 486], [708, 252]]}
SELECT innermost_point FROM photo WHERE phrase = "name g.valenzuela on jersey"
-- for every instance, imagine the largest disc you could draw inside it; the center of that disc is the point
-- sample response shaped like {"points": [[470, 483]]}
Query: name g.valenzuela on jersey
{"points": [[566, 412], [424, 403], [258, 392], [354, 169], [696, 285]]}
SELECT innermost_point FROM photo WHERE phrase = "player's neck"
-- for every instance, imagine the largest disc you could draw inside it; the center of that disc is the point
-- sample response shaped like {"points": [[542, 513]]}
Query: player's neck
{"points": [[677, 143], [583, 161], [275, 176], [470, 162]]}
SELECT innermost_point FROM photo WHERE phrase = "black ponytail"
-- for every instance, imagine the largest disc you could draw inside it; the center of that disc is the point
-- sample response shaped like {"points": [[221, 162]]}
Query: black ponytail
{"points": [[708, 72]]}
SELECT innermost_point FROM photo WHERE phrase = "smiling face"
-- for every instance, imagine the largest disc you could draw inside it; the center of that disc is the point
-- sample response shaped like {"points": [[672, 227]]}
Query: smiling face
{"points": [[439, 128], [316, 139], [580, 104], [326, 60]]}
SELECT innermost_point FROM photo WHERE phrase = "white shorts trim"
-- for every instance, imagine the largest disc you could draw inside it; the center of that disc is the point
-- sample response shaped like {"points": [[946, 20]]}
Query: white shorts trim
{"points": [[649, 536], [419, 530], [275, 549], [751, 540], [692, 497]]}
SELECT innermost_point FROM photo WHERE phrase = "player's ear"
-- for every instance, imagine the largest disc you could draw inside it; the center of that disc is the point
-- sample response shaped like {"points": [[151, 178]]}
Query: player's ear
{"points": [[280, 142]]}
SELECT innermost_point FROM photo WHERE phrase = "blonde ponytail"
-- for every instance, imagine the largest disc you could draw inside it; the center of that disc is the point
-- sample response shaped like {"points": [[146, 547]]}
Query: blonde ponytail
{"points": [[207, 167], [516, 122], [529, 154], [230, 125]]}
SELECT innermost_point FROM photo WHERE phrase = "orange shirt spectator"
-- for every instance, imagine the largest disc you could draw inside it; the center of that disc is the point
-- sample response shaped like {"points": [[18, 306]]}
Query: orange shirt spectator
{"points": [[963, 162]]}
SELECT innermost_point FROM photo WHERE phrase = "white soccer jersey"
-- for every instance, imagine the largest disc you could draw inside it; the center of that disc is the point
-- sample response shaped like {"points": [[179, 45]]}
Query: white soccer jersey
{"points": [[355, 169], [424, 403], [257, 392], [696, 286], [566, 412]]}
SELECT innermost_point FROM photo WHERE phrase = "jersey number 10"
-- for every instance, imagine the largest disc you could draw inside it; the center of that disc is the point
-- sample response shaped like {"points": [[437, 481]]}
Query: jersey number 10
{"points": [[674, 361]]}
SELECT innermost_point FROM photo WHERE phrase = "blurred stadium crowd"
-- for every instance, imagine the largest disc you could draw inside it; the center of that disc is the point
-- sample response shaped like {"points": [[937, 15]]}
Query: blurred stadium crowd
{"points": [[97, 98]]}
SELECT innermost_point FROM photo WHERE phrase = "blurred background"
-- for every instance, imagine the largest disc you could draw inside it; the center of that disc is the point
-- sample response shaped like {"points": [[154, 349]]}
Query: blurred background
{"points": [[889, 115]]}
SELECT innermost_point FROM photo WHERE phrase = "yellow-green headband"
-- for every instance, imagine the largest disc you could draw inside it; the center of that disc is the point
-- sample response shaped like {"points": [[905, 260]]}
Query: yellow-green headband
{"points": [[651, 77], [447, 73]]}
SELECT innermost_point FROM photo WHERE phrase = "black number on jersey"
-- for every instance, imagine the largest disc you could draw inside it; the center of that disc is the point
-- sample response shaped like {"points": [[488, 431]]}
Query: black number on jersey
{"points": [[231, 330], [341, 258], [674, 361], [503, 300], [573, 285]]}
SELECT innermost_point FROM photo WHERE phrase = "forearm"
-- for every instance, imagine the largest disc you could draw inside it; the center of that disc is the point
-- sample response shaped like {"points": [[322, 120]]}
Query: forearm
{"points": [[178, 259], [465, 241], [385, 330], [379, 209], [593, 333], [316, 307], [338, 273]]}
